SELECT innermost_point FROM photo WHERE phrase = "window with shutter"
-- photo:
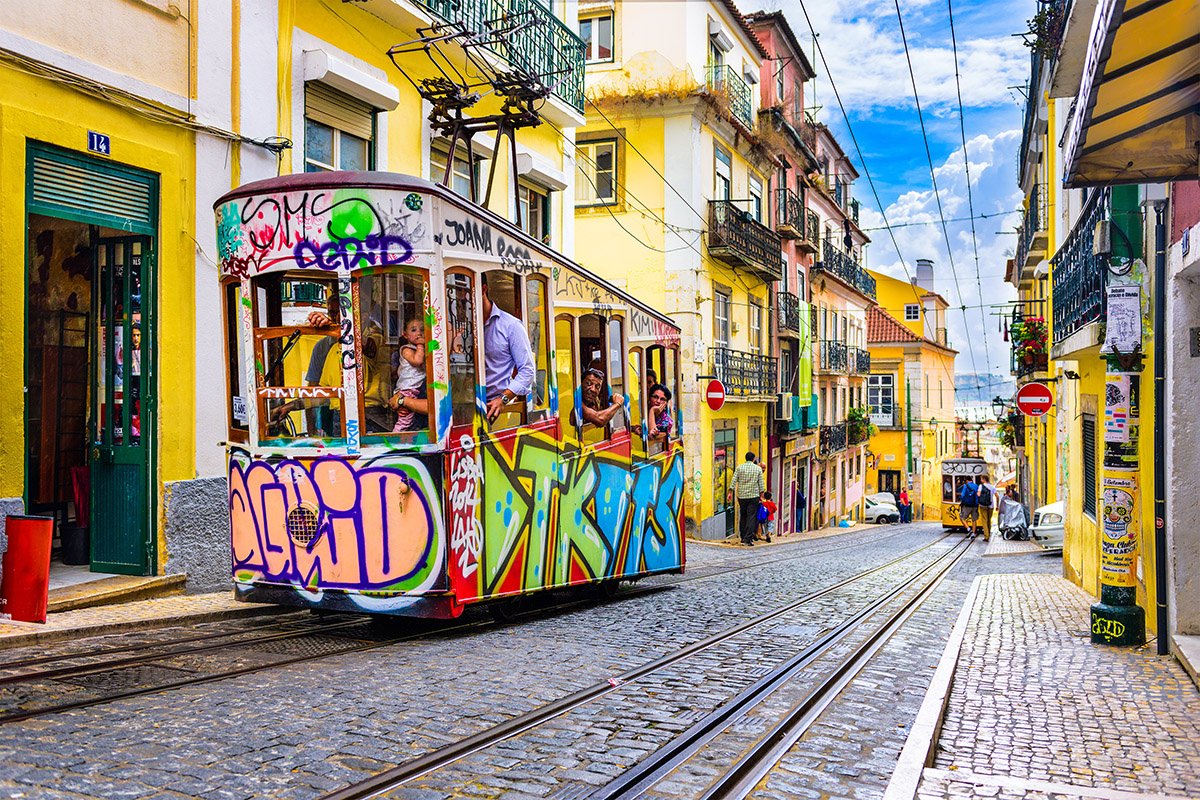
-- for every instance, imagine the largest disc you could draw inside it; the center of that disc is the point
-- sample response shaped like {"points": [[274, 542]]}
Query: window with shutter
{"points": [[339, 130], [1089, 464]]}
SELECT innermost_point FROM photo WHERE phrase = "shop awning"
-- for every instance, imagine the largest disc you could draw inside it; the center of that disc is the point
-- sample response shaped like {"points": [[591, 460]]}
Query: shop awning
{"points": [[1137, 116]]}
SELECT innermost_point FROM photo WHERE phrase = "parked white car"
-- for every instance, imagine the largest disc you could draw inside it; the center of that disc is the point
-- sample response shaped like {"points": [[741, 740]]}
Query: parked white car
{"points": [[881, 512], [1047, 528]]}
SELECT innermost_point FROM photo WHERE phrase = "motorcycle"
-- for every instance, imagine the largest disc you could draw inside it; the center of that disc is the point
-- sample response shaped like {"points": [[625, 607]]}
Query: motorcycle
{"points": [[1014, 520]]}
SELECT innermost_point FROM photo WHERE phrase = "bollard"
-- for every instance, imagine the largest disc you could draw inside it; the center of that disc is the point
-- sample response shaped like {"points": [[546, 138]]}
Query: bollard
{"points": [[25, 582]]}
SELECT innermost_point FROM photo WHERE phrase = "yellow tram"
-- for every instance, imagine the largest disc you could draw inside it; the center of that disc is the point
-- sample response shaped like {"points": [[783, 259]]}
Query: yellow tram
{"points": [[955, 473], [375, 464]]}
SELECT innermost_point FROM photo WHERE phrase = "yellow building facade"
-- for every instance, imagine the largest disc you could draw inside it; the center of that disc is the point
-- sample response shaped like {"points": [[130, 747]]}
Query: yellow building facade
{"points": [[673, 206], [910, 392]]}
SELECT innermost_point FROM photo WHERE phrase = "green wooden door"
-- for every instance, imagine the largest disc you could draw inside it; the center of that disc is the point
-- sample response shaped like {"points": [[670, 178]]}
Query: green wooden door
{"points": [[122, 406]]}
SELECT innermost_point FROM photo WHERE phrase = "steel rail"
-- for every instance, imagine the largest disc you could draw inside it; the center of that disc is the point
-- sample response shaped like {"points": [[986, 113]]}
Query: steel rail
{"points": [[408, 771], [639, 778]]}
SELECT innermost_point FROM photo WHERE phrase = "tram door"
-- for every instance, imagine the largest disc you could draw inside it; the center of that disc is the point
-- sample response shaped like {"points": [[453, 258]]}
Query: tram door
{"points": [[122, 405], [724, 461]]}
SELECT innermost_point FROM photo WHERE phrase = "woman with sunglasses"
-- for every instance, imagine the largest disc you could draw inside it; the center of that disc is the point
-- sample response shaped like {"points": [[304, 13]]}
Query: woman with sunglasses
{"points": [[661, 421]]}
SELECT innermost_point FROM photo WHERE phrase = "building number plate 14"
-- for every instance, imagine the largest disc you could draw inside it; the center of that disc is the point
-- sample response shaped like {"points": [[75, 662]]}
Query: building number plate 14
{"points": [[99, 143]]}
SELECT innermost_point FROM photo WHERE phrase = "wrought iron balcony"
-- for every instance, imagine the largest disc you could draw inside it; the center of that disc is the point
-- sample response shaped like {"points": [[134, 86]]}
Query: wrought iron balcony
{"points": [[855, 208], [858, 361], [1023, 367], [857, 433], [1033, 236], [789, 311], [846, 269], [789, 213], [832, 439], [888, 415], [546, 48], [811, 235], [740, 240], [723, 81], [1080, 276], [745, 374], [833, 356]]}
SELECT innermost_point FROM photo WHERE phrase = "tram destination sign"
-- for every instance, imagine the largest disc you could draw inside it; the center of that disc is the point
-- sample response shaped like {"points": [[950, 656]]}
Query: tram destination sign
{"points": [[1034, 399]]}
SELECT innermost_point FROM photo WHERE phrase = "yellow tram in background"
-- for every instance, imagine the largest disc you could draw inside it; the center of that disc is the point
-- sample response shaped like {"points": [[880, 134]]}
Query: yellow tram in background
{"points": [[956, 472]]}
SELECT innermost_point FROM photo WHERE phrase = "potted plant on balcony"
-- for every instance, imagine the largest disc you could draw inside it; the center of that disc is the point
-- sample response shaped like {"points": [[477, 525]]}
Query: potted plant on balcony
{"points": [[1029, 341], [1006, 433], [858, 425]]}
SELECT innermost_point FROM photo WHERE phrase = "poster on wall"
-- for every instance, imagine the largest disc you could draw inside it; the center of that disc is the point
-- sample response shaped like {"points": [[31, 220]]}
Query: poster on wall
{"points": [[1118, 531], [1123, 321], [1116, 408]]}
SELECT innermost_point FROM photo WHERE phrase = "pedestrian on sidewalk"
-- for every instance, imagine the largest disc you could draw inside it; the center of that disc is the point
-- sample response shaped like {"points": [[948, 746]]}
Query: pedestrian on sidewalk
{"points": [[905, 506], [968, 507], [748, 488], [768, 519], [986, 498]]}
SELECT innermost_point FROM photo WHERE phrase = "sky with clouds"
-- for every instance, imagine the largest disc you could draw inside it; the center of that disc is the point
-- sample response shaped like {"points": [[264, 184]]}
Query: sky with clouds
{"points": [[866, 60]]}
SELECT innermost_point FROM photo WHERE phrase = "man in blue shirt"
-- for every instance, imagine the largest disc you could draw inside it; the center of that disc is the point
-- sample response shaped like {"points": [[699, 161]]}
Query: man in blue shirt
{"points": [[508, 365]]}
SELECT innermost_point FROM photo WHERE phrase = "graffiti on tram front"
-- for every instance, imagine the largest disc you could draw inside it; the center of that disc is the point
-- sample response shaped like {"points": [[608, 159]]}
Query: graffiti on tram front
{"points": [[334, 523], [329, 230]]}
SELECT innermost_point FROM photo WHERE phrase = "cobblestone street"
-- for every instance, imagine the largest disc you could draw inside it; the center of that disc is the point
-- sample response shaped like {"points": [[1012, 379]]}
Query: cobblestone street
{"points": [[302, 730]]}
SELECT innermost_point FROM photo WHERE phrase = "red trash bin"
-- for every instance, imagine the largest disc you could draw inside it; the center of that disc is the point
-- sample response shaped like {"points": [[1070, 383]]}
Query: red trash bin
{"points": [[25, 582]]}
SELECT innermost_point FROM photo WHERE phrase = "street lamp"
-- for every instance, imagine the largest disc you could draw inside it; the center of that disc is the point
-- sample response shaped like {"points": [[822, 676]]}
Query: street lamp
{"points": [[933, 422], [998, 406]]}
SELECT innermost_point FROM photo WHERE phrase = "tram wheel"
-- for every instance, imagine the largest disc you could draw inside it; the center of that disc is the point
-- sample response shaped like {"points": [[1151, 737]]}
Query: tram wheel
{"points": [[507, 609], [607, 589]]}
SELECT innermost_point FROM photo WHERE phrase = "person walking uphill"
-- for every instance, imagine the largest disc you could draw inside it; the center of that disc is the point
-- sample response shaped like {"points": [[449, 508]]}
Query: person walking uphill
{"points": [[968, 507], [748, 486], [986, 498]]}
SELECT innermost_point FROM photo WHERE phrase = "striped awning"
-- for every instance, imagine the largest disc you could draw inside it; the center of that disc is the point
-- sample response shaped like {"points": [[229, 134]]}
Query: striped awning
{"points": [[1137, 116]]}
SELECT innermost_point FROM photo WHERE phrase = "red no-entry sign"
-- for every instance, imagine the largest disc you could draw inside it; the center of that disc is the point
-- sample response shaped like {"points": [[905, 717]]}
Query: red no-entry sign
{"points": [[1034, 399], [714, 395]]}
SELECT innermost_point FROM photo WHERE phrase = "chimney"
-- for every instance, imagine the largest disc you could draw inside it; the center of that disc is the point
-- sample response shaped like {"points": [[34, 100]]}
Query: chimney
{"points": [[924, 276]]}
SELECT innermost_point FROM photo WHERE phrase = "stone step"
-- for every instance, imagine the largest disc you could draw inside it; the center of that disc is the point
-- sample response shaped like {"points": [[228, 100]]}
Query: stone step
{"points": [[117, 589]]}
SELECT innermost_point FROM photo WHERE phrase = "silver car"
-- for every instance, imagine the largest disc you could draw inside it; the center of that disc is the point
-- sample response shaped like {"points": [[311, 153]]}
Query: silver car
{"points": [[1048, 530]]}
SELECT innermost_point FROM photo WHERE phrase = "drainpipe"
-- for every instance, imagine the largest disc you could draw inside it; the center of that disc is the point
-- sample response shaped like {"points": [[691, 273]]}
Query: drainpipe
{"points": [[908, 425], [1160, 426]]}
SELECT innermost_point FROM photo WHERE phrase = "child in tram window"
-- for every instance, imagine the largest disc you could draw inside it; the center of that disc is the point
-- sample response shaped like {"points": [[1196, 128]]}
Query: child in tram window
{"points": [[768, 525], [410, 375]]}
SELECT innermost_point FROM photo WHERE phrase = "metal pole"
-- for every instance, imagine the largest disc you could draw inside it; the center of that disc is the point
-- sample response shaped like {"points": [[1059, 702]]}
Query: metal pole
{"points": [[908, 424], [1160, 427]]}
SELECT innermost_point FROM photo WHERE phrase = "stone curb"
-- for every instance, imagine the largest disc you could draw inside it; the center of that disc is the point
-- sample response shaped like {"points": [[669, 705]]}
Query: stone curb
{"points": [[47, 635], [922, 737], [807, 536]]}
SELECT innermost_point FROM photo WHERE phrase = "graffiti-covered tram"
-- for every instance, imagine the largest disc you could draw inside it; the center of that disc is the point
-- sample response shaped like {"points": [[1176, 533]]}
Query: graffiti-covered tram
{"points": [[956, 473], [348, 492]]}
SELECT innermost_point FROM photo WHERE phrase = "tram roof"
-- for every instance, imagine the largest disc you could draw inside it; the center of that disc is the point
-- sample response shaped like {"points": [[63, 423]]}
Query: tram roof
{"points": [[398, 182]]}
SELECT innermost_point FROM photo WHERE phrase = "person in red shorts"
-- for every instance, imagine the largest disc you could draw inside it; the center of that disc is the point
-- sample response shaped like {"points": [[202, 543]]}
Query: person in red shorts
{"points": [[767, 511]]}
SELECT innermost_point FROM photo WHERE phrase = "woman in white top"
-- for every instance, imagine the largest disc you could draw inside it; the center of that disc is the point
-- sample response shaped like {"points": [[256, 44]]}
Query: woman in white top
{"points": [[410, 375]]}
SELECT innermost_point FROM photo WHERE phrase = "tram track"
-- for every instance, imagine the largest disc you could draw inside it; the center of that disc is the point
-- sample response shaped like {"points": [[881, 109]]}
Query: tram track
{"points": [[411, 770], [149, 673]]}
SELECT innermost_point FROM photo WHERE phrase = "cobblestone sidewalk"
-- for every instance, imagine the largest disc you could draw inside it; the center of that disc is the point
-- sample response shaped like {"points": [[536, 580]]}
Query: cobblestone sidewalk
{"points": [[1037, 711]]}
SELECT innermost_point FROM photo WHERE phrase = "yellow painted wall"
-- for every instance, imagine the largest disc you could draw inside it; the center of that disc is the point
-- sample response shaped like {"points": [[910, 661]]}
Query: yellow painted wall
{"points": [[33, 108]]}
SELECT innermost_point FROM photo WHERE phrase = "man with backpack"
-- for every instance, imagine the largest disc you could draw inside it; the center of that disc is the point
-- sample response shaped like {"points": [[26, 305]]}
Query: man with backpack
{"points": [[986, 496], [968, 506]]}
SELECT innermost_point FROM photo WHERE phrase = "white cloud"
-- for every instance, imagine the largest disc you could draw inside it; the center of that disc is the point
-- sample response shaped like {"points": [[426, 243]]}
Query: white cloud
{"points": [[993, 192]]}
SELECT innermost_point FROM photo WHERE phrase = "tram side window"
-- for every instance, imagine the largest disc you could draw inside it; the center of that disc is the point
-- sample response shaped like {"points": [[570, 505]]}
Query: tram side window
{"points": [[537, 314], [393, 353], [670, 379], [567, 374], [235, 351], [662, 398], [508, 361], [298, 369], [636, 398], [599, 406], [616, 369], [460, 323]]}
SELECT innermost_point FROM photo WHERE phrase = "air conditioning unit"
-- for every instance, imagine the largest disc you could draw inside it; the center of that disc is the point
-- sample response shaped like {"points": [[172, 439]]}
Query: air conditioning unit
{"points": [[783, 406]]}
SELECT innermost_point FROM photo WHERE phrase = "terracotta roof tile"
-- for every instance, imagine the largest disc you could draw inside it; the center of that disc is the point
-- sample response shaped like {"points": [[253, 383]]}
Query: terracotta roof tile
{"points": [[883, 327]]}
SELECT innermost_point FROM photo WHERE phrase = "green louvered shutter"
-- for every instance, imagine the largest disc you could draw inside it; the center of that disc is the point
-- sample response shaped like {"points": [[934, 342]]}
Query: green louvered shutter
{"points": [[62, 183]]}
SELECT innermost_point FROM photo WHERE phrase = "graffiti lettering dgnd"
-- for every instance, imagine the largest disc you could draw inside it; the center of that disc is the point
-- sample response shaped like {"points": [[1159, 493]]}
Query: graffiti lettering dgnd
{"points": [[329, 525]]}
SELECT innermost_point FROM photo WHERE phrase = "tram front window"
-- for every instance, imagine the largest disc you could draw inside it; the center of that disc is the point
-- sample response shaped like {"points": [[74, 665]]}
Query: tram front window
{"points": [[393, 352], [297, 360]]}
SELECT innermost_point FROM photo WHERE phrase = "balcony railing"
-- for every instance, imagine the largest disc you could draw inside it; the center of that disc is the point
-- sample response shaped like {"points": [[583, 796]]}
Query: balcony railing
{"points": [[810, 233], [888, 415], [1080, 276], [744, 374], [833, 356], [846, 269], [1032, 237], [858, 361], [854, 210], [724, 81], [832, 439], [789, 213], [857, 433], [545, 48], [739, 239], [1023, 367], [789, 311]]}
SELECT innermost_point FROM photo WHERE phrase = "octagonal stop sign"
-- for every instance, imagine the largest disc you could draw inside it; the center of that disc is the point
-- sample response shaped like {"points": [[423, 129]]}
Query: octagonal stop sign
{"points": [[1034, 399]]}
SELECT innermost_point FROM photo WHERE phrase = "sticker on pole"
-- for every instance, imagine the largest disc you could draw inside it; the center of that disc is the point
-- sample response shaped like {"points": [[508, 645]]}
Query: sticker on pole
{"points": [[714, 395], [1034, 399]]}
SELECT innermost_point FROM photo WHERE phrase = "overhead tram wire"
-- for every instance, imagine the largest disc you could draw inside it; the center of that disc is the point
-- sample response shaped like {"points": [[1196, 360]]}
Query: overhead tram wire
{"points": [[952, 219], [937, 195], [866, 172], [962, 130]]}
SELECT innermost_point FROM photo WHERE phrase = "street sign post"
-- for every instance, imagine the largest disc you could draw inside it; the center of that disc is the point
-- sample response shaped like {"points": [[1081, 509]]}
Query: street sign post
{"points": [[1034, 399], [714, 395]]}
